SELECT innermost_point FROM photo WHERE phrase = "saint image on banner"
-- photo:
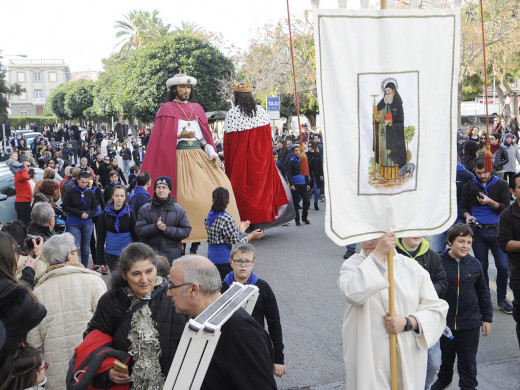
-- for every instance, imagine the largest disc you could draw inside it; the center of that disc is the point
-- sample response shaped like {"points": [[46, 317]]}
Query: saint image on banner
{"points": [[391, 160]]}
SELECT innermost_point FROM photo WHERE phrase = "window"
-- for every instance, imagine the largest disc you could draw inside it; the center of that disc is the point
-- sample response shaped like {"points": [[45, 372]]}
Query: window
{"points": [[23, 111], [23, 96], [7, 186], [38, 94], [37, 77], [53, 77], [20, 77]]}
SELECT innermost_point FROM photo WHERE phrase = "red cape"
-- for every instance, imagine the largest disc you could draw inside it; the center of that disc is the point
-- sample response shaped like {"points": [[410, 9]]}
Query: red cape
{"points": [[248, 157], [161, 154]]}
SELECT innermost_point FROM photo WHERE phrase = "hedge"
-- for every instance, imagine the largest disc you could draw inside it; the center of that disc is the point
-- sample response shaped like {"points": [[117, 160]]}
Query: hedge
{"points": [[20, 121]]}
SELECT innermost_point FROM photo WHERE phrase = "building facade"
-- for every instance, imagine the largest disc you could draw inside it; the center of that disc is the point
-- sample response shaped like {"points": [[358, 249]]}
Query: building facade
{"points": [[39, 78]]}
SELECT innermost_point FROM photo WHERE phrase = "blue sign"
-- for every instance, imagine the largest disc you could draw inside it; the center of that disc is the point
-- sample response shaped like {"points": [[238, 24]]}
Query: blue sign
{"points": [[273, 104]]}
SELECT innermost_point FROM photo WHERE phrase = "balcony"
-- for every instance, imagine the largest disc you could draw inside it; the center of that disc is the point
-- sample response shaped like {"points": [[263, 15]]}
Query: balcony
{"points": [[39, 101]]}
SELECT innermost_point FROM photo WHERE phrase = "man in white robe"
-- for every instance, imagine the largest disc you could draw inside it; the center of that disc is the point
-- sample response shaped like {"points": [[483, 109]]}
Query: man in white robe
{"points": [[419, 322]]}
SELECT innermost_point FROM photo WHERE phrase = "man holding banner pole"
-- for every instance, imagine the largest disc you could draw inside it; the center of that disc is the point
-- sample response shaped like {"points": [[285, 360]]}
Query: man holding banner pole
{"points": [[419, 322]]}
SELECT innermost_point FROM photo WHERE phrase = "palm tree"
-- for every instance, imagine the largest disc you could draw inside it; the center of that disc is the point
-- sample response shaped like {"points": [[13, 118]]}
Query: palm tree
{"points": [[138, 29], [188, 28]]}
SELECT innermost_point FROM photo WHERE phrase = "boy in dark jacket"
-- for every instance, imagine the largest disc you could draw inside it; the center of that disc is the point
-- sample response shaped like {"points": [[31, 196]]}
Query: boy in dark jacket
{"points": [[469, 309], [243, 259], [299, 185]]}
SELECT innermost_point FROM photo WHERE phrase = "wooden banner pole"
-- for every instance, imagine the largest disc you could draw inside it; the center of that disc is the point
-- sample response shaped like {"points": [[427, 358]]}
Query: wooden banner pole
{"points": [[391, 303]]}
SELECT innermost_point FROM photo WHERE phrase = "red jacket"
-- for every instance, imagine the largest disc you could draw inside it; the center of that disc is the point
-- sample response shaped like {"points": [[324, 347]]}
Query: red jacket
{"points": [[22, 186]]}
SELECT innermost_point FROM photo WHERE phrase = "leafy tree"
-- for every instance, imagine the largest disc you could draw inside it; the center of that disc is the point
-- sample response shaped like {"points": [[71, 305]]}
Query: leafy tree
{"points": [[78, 98], [137, 88], [56, 101], [138, 29], [5, 90], [267, 64]]}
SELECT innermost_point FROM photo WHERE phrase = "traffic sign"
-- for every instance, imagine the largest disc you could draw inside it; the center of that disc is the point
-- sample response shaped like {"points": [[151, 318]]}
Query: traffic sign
{"points": [[273, 107]]}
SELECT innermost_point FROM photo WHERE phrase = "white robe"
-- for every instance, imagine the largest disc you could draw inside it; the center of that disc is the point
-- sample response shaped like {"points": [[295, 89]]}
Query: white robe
{"points": [[366, 343]]}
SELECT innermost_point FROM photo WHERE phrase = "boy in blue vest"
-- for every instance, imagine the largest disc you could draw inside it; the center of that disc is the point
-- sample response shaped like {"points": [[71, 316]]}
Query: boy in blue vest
{"points": [[243, 259]]}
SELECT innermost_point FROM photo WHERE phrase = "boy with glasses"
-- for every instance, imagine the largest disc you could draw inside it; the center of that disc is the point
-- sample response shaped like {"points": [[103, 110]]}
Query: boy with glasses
{"points": [[243, 259]]}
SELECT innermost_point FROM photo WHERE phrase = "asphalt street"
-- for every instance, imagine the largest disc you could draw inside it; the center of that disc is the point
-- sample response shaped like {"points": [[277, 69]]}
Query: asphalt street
{"points": [[302, 266]]}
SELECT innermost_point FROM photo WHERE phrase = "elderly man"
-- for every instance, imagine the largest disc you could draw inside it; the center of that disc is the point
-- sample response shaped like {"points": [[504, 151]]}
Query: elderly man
{"points": [[77, 290], [243, 357], [419, 322], [43, 220]]}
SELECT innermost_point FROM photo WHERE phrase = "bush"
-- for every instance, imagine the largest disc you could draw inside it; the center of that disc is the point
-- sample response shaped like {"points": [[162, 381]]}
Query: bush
{"points": [[17, 122]]}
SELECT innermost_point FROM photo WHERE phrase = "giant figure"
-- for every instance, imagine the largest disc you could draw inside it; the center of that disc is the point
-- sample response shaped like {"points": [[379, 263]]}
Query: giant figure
{"points": [[249, 161], [181, 147]]}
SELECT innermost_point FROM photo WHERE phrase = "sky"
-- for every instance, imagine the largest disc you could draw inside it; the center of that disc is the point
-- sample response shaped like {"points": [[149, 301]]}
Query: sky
{"points": [[82, 32]]}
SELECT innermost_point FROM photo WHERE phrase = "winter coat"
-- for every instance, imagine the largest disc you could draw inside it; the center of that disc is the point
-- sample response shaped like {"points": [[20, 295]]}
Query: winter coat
{"points": [[167, 242], [431, 262], [19, 312], [500, 158], [514, 156], [170, 325], [70, 293], [509, 230], [469, 301], [27, 275]]}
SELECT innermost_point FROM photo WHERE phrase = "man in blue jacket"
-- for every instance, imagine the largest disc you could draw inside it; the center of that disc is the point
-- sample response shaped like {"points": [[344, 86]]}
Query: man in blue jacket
{"points": [[469, 309], [482, 201], [139, 196]]}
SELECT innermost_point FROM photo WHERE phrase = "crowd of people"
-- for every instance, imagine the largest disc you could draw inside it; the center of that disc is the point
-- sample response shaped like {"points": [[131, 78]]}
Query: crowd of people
{"points": [[117, 220]]}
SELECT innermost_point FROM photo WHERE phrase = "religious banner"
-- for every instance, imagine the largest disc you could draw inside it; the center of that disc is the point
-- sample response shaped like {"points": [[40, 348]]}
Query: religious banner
{"points": [[387, 87]]}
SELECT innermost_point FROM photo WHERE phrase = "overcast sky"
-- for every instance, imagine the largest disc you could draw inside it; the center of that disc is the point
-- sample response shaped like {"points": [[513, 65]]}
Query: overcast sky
{"points": [[82, 32]]}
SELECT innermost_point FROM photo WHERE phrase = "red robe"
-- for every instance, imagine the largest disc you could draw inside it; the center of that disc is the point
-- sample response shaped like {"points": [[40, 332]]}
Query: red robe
{"points": [[249, 162], [161, 154]]}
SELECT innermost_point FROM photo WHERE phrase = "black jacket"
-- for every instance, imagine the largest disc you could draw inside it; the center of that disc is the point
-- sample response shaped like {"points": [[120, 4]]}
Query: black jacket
{"points": [[19, 312], [40, 230], [72, 203], [431, 262], [499, 192], [315, 165], [473, 305], [293, 169], [500, 158], [509, 230], [170, 325], [167, 242], [266, 308]]}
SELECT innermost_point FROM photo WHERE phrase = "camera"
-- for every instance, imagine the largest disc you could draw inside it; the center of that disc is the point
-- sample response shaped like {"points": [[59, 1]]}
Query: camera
{"points": [[475, 224], [29, 243]]}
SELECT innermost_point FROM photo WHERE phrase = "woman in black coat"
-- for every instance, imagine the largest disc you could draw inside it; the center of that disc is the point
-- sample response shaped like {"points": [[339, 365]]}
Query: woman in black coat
{"points": [[19, 309], [151, 330]]}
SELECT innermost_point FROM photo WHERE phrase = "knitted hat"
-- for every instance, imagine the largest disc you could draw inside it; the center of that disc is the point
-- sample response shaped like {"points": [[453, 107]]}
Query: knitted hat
{"points": [[509, 135], [163, 180]]}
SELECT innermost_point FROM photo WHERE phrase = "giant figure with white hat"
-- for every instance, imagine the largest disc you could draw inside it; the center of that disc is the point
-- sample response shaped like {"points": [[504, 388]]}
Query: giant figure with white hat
{"points": [[181, 147]]}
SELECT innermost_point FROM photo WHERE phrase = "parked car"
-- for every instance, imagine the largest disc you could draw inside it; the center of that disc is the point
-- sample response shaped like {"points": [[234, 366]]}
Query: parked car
{"points": [[8, 192]]}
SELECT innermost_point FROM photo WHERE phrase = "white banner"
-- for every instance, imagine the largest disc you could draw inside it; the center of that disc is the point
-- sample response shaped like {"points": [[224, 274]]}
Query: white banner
{"points": [[387, 86]]}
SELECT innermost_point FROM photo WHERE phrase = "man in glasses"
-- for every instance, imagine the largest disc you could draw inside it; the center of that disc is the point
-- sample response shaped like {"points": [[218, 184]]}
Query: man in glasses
{"points": [[243, 259], [243, 355]]}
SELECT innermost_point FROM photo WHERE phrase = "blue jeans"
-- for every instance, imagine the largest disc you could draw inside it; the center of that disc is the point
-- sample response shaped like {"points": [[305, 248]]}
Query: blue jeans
{"points": [[316, 188], [82, 234], [483, 241], [434, 363]]}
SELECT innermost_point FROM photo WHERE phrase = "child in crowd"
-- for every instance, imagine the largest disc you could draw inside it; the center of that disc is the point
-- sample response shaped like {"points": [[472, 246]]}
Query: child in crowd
{"points": [[469, 309], [242, 260]]}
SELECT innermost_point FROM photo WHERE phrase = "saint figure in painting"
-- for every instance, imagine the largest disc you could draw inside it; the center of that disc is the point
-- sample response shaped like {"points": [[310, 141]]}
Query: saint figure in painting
{"points": [[390, 147]]}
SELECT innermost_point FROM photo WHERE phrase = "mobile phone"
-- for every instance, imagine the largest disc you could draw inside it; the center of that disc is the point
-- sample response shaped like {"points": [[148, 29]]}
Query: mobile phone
{"points": [[120, 367]]}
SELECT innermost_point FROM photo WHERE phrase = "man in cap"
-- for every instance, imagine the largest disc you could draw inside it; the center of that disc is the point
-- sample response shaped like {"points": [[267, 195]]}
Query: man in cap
{"points": [[162, 223], [193, 164]]}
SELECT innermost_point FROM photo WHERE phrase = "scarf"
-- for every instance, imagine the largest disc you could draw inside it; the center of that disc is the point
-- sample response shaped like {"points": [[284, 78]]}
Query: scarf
{"points": [[111, 211], [137, 191], [494, 148], [230, 278], [82, 192], [161, 202], [144, 344], [212, 216]]}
